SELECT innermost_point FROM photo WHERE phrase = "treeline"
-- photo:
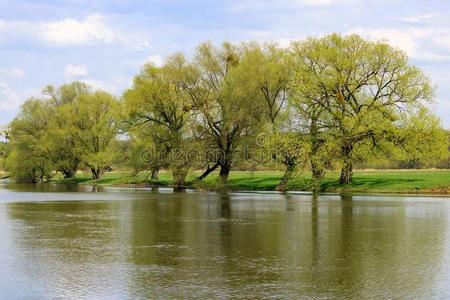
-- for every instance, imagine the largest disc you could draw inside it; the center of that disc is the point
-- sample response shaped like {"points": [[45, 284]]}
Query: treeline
{"points": [[320, 104]]}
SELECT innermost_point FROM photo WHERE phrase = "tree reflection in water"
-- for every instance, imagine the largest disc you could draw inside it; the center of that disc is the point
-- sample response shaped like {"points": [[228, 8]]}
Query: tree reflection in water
{"points": [[230, 245]]}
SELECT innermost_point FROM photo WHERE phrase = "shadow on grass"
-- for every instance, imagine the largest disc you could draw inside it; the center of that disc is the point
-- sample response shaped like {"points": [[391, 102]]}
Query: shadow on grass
{"points": [[73, 180], [369, 183], [255, 183]]}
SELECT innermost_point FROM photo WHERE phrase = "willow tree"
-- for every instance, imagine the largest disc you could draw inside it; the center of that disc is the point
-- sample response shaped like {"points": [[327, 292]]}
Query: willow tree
{"points": [[159, 101], [227, 106], [61, 145], [28, 160], [421, 140], [268, 73], [362, 86], [94, 124]]}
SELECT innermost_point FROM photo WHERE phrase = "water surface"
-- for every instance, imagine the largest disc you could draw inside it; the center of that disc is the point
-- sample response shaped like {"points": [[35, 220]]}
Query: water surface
{"points": [[84, 242]]}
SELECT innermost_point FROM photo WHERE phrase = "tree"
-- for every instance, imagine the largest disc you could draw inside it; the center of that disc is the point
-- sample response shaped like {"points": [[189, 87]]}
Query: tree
{"points": [[228, 107], [28, 161], [290, 149], [445, 163], [361, 85], [268, 66], [93, 124], [158, 101], [422, 140], [61, 145], [142, 153]]}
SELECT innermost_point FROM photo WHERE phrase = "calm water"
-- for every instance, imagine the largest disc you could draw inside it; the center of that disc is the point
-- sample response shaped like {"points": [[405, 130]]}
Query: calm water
{"points": [[84, 243]]}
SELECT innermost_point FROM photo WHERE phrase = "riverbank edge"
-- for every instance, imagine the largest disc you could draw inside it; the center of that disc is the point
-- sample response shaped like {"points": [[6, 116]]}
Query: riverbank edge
{"points": [[445, 191], [395, 182]]}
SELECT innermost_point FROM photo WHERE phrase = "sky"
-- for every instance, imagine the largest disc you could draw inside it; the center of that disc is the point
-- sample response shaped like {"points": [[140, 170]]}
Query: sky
{"points": [[105, 43]]}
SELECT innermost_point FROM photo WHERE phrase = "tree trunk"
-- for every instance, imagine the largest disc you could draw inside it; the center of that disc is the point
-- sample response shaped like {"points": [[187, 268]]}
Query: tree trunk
{"points": [[179, 177], [317, 174], [347, 168], [96, 173], [225, 168], [155, 173], [207, 172], [290, 167], [69, 173], [317, 167]]}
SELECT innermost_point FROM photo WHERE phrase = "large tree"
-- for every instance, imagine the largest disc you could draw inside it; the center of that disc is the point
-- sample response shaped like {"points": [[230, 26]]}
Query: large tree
{"points": [[421, 139], [62, 147], [268, 71], [94, 124], [159, 103], [228, 106], [28, 160], [362, 85]]}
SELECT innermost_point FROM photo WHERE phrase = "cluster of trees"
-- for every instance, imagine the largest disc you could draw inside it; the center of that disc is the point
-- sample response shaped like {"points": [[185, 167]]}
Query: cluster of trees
{"points": [[70, 127], [321, 103]]}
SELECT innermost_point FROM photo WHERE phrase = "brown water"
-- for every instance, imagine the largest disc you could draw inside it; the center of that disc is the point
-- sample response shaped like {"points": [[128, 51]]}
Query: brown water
{"points": [[79, 242]]}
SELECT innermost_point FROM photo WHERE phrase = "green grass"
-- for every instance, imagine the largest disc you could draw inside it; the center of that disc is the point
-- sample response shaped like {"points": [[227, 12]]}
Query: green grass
{"points": [[380, 181], [116, 178], [403, 181]]}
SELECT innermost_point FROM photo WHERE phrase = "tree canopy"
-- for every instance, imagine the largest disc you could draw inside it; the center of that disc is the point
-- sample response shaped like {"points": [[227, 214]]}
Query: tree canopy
{"points": [[334, 102]]}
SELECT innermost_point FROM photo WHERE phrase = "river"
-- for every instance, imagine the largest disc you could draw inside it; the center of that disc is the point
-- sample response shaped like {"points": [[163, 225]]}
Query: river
{"points": [[85, 242]]}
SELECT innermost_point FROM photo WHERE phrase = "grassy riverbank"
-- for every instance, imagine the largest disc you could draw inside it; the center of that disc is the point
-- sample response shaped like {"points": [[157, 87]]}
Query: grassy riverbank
{"points": [[379, 181]]}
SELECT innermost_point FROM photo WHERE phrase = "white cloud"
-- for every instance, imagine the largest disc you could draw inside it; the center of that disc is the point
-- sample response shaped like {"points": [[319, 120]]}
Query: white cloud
{"points": [[429, 43], [78, 32], [403, 39], [419, 18], [72, 71], [91, 30]]}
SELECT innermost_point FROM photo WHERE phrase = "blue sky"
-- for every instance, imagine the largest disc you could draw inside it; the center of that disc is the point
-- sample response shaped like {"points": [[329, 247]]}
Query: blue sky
{"points": [[104, 43]]}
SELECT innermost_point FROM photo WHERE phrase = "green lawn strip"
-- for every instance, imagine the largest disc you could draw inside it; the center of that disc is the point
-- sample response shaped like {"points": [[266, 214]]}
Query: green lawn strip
{"points": [[407, 181]]}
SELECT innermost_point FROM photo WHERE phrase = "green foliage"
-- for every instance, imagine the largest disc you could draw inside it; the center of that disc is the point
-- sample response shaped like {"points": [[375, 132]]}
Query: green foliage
{"points": [[73, 126], [361, 85], [423, 140], [61, 146], [3, 149], [227, 100], [28, 160], [159, 110], [267, 68], [66, 93], [93, 126]]}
